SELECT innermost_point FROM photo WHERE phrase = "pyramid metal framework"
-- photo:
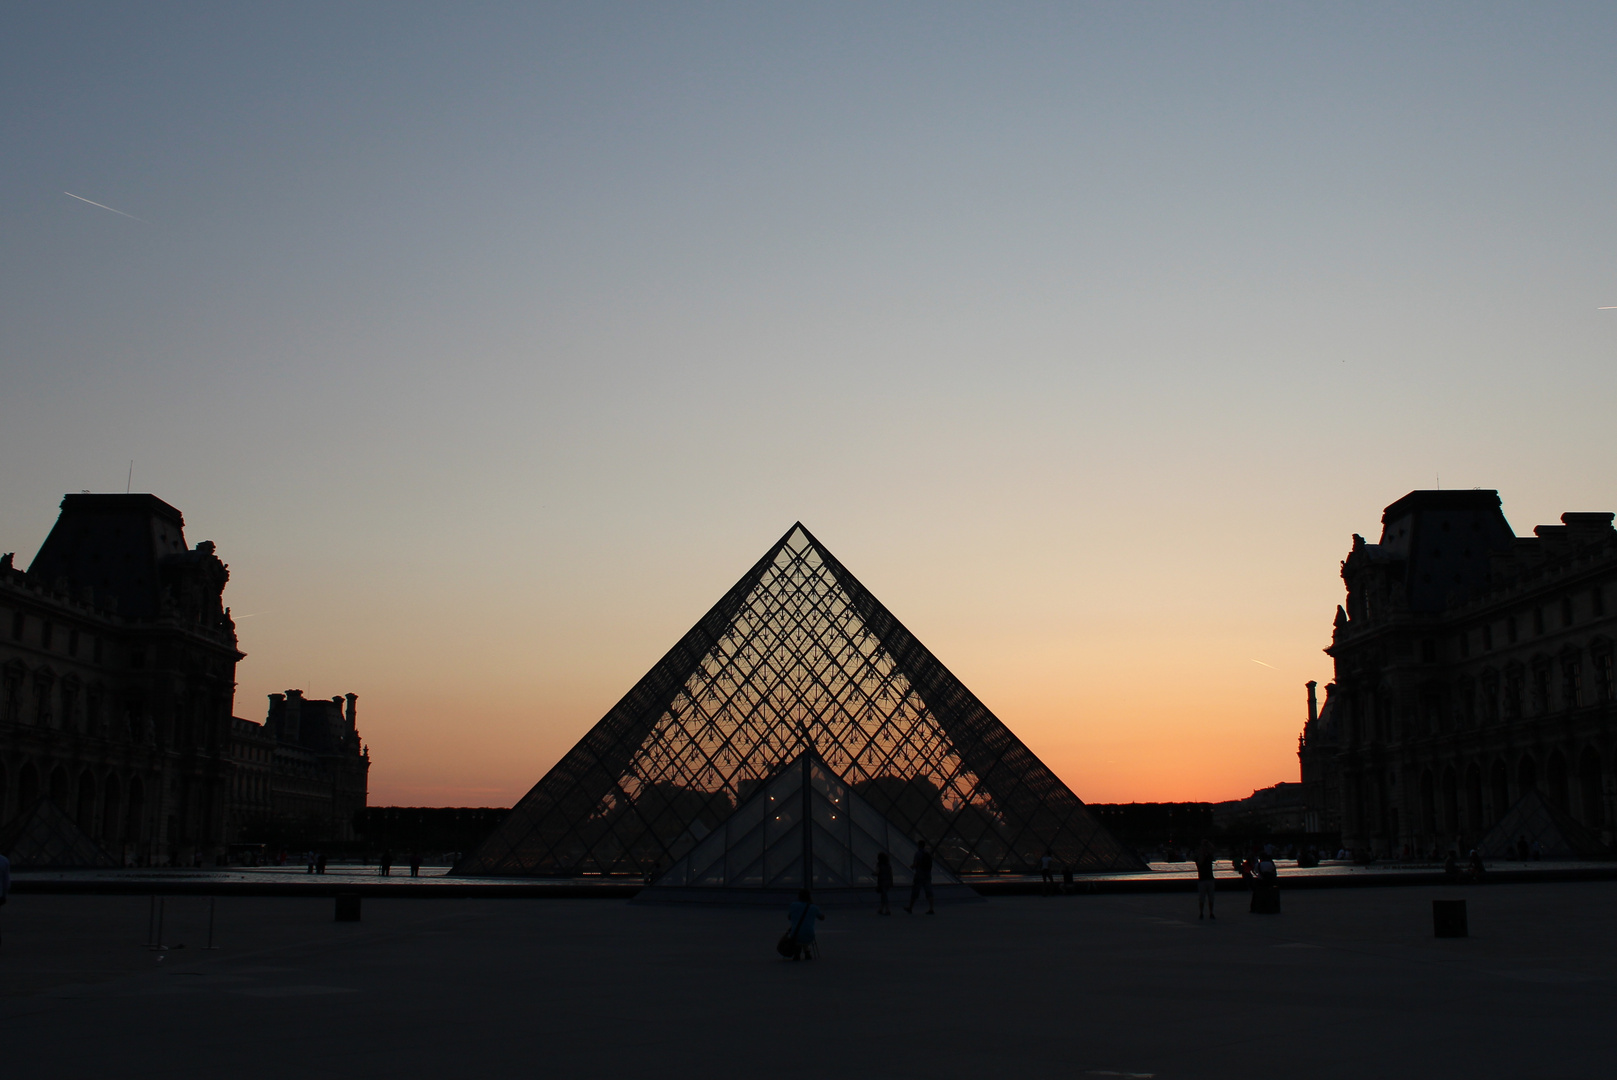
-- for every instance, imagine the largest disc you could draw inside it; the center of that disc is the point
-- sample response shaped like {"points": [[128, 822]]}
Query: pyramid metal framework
{"points": [[798, 655]]}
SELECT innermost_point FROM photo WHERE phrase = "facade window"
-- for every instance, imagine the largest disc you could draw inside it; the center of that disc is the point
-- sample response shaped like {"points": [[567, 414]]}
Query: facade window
{"points": [[1541, 689], [1603, 676], [19, 622], [1428, 651], [1538, 622], [1513, 696], [1465, 644], [1487, 637], [1510, 629], [1572, 678], [72, 643], [137, 658], [96, 649], [1566, 611], [45, 634], [1597, 602]]}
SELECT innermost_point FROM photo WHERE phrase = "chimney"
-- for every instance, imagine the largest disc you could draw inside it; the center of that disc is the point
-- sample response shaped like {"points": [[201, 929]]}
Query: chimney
{"points": [[1313, 702], [353, 729], [292, 719]]}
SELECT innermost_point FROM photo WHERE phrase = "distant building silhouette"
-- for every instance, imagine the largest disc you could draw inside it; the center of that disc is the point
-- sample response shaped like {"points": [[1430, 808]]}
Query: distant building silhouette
{"points": [[117, 677], [301, 775], [1472, 666]]}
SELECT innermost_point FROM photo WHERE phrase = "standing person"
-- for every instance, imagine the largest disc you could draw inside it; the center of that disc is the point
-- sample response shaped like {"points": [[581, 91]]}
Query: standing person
{"points": [[320, 863], [921, 879], [1204, 879], [415, 864], [5, 879], [884, 882], [1047, 871], [800, 920], [386, 867], [1266, 888]]}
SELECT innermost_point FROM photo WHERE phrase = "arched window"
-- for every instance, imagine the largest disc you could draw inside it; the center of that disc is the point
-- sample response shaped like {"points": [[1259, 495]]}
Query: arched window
{"points": [[1555, 780], [1591, 785], [1451, 802], [1527, 774], [87, 802], [1428, 805], [110, 810], [1500, 782], [27, 787], [60, 795], [1473, 799], [134, 813]]}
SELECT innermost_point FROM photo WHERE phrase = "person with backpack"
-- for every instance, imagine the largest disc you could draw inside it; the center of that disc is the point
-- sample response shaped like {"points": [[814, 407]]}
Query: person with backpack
{"points": [[798, 941], [921, 879]]}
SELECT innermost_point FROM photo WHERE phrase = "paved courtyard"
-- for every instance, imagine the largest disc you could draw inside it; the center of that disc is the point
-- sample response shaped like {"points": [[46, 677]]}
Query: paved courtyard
{"points": [[1346, 983]]}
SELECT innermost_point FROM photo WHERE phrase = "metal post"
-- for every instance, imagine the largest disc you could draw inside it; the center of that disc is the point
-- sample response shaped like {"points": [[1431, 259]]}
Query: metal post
{"points": [[212, 900]]}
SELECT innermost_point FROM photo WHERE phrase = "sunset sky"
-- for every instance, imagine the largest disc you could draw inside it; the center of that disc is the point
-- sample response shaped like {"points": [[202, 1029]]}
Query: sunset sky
{"points": [[491, 344]]}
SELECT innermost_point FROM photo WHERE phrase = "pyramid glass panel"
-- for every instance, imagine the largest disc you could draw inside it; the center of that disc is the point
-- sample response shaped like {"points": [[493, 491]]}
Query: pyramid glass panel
{"points": [[797, 656]]}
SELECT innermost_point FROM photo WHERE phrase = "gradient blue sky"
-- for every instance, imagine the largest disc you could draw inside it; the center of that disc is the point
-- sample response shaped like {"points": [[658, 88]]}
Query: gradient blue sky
{"points": [[492, 343]]}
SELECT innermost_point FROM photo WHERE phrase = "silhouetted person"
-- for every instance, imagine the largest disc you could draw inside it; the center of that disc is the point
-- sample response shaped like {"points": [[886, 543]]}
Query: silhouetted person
{"points": [[386, 867], [1477, 868], [415, 864], [1047, 871], [1521, 848], [800, 920], [921, 880], [320, 863], [1266, 888], [1204, 879], [1451, 866], [884, 883]]}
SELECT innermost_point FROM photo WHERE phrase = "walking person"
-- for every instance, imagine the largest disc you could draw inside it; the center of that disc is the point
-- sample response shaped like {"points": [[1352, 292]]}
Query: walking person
{"points": [[921, 880], [800, 920], [884, 882], [1047, 869], [1204, 879]]}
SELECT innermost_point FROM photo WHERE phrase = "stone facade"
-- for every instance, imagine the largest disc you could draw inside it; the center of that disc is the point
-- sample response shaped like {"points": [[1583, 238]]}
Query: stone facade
{"points": [[117, 681], [1472, 665], [117, 673]]}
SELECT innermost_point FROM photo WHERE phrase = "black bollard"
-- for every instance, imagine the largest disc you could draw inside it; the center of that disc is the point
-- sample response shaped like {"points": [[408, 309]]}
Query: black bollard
{"points": [[348, 907], [1448, 919]]}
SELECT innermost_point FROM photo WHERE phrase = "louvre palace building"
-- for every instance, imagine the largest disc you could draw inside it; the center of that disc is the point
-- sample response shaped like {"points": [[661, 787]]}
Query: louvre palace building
{"points": [[117, 684], [1473, 667]]}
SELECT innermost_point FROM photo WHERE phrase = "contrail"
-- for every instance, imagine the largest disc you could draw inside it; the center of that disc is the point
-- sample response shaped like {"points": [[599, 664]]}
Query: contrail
{"points": [[1608, 307], [1271, 667], [103, 206]]}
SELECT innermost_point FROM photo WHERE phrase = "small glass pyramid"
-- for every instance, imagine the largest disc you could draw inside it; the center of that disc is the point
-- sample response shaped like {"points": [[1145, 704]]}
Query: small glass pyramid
{"points": [[45, 837], [764, 844]]}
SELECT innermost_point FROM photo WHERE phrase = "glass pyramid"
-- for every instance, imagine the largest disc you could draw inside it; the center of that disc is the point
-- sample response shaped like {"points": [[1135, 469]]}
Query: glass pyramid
{"points": [[797, 656], [764, 844], [1557, 833], [45, 837]]}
